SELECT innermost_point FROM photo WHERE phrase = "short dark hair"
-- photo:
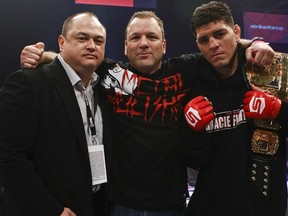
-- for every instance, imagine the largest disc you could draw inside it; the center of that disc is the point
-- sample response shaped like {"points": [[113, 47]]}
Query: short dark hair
{"points": [[211, 12]]}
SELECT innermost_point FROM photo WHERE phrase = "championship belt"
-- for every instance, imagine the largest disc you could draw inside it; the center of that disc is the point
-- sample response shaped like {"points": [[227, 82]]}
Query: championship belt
{"points": [[272, 78]]}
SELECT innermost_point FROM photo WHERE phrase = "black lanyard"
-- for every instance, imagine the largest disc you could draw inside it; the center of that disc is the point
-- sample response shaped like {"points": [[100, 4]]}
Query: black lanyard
{"points": [[90, 118]]}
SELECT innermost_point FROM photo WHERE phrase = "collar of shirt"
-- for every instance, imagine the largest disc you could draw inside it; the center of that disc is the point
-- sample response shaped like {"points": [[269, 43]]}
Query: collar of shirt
{"points": [[73, 76]]}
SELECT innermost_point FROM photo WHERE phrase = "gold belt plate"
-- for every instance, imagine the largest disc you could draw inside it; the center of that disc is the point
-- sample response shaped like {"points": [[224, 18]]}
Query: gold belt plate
{"points": [[265, 142]]}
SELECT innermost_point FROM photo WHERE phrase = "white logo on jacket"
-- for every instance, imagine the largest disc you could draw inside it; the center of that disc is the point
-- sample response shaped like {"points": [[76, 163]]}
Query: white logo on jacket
{"points": [[122, 80], [226, 120]]}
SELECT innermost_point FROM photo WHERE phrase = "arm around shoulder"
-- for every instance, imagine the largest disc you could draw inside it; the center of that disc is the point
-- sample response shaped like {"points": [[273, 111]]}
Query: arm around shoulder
{"points": [[48, 56], [33, 55]]}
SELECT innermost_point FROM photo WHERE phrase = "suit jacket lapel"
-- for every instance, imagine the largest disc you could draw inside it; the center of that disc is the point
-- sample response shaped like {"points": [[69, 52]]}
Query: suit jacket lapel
{"points": [[67, 95]]}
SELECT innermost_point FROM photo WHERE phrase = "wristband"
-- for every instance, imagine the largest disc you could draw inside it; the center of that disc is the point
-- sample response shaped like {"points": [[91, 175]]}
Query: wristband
{"points": [[256, 39]]}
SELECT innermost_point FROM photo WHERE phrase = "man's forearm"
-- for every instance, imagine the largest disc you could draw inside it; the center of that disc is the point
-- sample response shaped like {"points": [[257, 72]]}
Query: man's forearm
{"points": [[48, 56]]}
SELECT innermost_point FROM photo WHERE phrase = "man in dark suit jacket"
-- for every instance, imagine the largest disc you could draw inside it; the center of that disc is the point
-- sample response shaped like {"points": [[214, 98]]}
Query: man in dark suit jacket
{"points": [[44, 159]]}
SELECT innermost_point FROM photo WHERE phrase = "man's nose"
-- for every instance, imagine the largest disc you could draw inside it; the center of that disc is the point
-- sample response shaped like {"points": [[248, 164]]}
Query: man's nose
{"points": [[91, 43], [144, 42], [213, 43]]}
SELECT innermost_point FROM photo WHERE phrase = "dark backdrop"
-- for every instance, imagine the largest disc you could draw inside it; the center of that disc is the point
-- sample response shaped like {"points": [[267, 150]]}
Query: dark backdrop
{"points": [[25, 22]]}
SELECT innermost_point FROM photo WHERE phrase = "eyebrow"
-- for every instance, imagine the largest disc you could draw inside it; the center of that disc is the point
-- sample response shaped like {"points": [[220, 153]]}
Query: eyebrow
{"points": [[215, 32], [87, 34]]}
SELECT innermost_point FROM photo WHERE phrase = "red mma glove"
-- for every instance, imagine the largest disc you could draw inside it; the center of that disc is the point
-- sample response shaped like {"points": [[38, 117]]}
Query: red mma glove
{"points": [[198, 113], [261, 105]]}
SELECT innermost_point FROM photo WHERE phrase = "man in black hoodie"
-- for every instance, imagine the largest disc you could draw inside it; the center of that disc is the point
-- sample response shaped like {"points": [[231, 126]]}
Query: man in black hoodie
{"points": [[234, 178]]}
